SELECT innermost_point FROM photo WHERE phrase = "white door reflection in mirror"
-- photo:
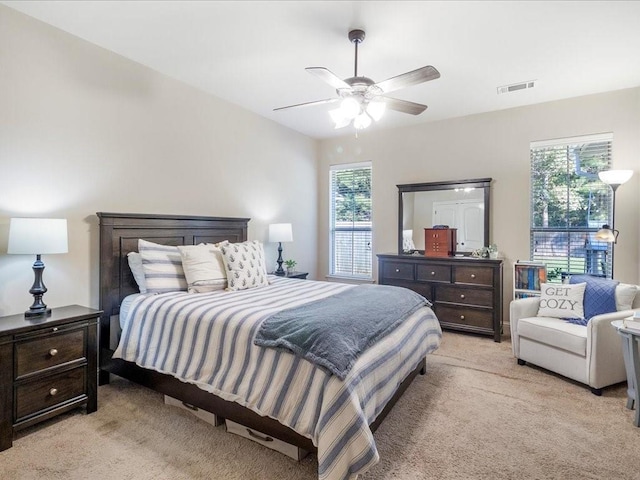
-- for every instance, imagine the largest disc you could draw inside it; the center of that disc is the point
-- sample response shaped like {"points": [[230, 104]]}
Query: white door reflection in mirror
{"points": [[465, 215]]}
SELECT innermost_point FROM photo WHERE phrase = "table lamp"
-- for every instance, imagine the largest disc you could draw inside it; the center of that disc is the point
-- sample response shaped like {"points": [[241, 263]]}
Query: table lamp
{"points": [[37, 236], [280, 232]]}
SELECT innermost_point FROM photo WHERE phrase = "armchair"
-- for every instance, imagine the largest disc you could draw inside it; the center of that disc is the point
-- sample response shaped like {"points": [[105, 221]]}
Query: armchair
{"points": [[590, 354]]}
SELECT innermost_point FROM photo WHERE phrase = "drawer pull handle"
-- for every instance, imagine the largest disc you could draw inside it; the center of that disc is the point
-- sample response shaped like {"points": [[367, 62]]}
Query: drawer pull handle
{"points": [[259, 437], [473, 275], [54, 329], [462, 295], [53, 392], [433, 274], [53, 352], [461, 317], [190, 407]]}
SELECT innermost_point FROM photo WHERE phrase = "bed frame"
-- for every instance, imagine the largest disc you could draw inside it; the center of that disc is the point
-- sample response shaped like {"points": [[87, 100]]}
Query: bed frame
{"points": [[119, 234]]}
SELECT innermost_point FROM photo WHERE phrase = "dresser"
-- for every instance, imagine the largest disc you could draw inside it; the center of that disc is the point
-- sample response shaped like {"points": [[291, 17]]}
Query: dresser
{"points": [[48, 365], [466, 292]]}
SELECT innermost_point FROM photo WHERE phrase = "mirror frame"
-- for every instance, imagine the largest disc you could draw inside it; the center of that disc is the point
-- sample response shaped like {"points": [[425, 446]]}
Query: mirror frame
{"points": [[484, 183]]}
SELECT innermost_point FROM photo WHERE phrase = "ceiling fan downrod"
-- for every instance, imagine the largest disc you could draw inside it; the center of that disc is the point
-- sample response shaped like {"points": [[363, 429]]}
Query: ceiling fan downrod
{"points": [[356, 37]]}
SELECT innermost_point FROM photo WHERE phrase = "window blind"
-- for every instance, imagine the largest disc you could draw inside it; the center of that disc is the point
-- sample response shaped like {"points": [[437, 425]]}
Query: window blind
{"points": [[569, 204], [350, 220]]}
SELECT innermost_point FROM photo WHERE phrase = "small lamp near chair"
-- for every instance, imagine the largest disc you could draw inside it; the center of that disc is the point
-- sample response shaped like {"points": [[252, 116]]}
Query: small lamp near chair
{"points": [[613, 178], [37, 236], [280, 232]]}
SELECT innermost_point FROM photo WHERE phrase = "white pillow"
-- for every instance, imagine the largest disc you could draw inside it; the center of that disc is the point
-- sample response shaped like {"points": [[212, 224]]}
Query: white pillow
{"points": [[162, 266], [135, 264], [561, 300], [625, 295], [203, 267], [245, 265]]}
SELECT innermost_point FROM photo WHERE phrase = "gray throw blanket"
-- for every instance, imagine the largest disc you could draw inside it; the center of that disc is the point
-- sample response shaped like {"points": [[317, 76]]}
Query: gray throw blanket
{"points": [[334, 331]]}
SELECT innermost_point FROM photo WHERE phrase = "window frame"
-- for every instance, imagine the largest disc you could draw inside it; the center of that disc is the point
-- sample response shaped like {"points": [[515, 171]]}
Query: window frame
{"points": [[333, 271], [598, 255]]}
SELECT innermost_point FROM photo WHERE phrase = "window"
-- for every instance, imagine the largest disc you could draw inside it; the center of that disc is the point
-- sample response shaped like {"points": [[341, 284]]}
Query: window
{"points": [[350, 220], [569, 204]]}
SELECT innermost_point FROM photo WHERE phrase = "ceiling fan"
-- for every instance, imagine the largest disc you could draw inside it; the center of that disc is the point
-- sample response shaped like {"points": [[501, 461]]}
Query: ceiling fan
{"points": [[363, 100]]}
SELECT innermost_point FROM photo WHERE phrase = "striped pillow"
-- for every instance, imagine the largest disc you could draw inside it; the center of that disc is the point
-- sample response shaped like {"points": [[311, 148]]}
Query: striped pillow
{"points": [[162, 266]]}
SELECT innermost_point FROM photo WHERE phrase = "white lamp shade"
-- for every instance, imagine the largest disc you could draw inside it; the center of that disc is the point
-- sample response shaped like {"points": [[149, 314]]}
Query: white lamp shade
{"points": [[36, 236], [362, 121], [280, 232], [605, 234], [615, 177], [376, 109]]}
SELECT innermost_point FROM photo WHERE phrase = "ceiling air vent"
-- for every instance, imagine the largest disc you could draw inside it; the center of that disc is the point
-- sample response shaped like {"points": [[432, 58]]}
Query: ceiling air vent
{"points": [[516, 86]]}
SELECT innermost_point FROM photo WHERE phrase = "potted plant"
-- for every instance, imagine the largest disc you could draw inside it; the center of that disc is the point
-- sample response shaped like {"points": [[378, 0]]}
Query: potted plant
{"points": [[492, 250], [290, 264]]}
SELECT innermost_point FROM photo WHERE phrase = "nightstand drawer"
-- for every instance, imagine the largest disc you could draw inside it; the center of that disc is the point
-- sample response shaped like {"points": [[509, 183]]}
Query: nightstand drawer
{"points": [[466, 296], [46, 352], [34, 396]]}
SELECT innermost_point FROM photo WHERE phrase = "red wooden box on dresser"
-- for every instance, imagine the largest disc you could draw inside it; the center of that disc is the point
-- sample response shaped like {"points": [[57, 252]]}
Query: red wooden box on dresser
{"points": [[48, 365], [439, 242]]}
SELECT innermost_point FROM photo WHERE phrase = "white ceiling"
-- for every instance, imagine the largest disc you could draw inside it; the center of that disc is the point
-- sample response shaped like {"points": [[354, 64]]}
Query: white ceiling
{"points": [[253, 54]]}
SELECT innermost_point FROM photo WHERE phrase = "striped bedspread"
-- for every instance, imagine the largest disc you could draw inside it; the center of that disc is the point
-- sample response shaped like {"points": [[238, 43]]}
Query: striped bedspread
{"points": [[207, 340]]}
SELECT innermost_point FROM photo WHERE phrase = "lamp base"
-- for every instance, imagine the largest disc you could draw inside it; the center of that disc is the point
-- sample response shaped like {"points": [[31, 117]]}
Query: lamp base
{"points": [[38, 312]]}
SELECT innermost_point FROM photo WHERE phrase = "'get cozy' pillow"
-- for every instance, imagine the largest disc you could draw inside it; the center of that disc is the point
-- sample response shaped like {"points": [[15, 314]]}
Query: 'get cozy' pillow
{"points": [[562, 300]]}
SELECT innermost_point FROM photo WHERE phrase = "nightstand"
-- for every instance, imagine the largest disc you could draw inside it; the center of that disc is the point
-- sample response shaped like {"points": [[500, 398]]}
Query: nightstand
{"points": [[48, 365], [302, 275]]}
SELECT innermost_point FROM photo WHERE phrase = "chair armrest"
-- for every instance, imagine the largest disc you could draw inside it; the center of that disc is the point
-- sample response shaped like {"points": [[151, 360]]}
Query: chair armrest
{"points": [[521, 308], [604, 350]]}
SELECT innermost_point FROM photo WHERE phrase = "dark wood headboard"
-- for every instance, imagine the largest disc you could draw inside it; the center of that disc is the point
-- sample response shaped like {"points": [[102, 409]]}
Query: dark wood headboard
{"points": [[119, 234]]}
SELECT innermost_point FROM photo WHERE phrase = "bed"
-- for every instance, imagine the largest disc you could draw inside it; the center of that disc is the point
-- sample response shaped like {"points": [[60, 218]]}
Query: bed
{"points": [[338, 458]]}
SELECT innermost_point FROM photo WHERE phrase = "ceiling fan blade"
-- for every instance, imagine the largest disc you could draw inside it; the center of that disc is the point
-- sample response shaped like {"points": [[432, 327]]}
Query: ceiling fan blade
{"points": [[414, 77], [329, 77], [403, 106], [307, 104]]}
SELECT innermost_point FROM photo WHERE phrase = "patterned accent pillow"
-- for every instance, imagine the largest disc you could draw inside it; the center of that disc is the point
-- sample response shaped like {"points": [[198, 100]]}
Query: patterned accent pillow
{"points": [[203, 267], [245, 265], [560, 300], [599, 295], [162, 266]]}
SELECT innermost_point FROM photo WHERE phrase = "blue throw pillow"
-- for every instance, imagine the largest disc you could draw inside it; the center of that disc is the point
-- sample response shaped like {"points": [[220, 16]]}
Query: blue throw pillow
{"points": [[599, 296]]}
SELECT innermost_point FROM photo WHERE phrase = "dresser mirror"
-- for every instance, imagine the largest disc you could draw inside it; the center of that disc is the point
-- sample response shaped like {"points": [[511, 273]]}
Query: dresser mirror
{"points": [[460, 204]]}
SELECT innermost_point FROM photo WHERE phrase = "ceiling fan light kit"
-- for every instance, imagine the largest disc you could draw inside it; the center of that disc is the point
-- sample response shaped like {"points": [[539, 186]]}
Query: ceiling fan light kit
{"points": [[363, 101]]}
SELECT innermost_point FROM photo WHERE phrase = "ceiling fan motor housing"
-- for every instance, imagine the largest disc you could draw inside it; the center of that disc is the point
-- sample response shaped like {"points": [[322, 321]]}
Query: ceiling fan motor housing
{"points": [[356, 36]]}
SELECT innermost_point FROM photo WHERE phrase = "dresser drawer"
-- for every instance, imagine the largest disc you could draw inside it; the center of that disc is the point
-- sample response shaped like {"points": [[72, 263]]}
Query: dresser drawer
{"points": [[45, 352], [464, 316], [398, 270], [34, 396], [464, 295], [433, 273], [474, 275]]}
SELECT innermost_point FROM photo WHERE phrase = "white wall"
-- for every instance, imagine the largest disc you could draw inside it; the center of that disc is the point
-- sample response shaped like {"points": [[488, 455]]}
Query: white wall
{"points": [[84, 130], [492, 145]]}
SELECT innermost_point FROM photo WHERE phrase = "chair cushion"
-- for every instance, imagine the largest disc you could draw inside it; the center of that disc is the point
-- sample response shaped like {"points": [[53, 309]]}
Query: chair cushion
{"points": [[599, 296], [555, 332]]}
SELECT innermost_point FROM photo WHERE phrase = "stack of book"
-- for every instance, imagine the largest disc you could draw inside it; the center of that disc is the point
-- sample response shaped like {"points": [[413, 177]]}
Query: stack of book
{"points": [[633, 323]]}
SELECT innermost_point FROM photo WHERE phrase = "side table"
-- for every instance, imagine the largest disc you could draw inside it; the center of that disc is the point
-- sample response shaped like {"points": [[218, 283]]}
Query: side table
{"points": [[631, 352], [301, 275], [48, 365]]}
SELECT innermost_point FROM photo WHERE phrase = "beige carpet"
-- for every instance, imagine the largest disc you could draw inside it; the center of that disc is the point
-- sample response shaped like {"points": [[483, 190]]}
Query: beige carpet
{"points": [[475, 415]]}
